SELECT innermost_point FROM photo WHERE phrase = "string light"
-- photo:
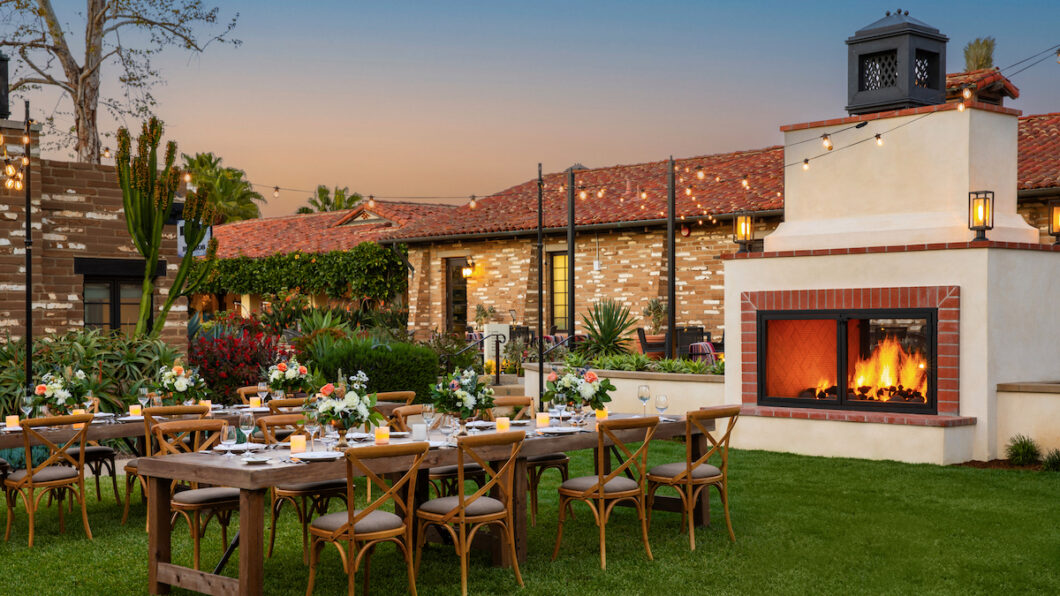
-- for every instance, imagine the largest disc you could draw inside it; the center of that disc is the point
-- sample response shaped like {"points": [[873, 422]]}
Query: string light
{"points": [[600, 194], [826, 141], [806, 164], [473, 203], [25, 160], [700, 173], [25, 139], [960, 107], [371, 202], [688, 191], [106, 152], [746, 183], [9, 169], [643, 195], [582, 194], [187, 179], [967, 93], [276, 192], [879, 140]]}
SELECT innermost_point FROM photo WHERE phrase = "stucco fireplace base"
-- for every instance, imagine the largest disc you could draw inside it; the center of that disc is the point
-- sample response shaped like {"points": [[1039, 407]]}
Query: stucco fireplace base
{"points": [[994, 325]]}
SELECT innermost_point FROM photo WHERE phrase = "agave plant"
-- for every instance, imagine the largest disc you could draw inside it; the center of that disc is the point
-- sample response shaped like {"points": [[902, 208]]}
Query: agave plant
{"points": [[607, 326]]}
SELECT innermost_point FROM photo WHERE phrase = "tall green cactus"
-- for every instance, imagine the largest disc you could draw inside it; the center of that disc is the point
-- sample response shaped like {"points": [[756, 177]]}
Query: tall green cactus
{"points": [[147, 193]]}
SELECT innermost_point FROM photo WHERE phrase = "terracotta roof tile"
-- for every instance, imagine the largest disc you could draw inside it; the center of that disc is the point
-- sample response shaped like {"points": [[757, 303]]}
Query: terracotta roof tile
{"points": [[1039, 151], [980, 80]]}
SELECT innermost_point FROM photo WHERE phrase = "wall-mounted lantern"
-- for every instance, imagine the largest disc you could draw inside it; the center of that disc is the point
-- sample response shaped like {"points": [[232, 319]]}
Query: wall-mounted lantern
{"points": [[468, 268], [1054, 220], [743, 230], [980, 213]]}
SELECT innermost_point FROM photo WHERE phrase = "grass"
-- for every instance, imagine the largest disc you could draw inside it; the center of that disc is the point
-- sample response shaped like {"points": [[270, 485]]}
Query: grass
{"points": [[803, 525]]}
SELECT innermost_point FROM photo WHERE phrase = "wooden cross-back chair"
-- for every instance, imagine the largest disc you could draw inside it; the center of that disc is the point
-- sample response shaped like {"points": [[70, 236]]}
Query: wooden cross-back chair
{"points": [[463, 515], [522, 407], [98, 457], [60, 473], [364, 529], [151, 418], [399, 417], [399, 396], [691, 476], [286, 405], [608, 487], [215, 501], [245, 393]]}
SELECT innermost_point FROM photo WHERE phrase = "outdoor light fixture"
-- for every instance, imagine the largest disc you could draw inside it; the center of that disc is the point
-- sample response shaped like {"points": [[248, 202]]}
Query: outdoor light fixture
{"points": [[980, 213], [276, 192], [806, 164], [967, 93], [371, 202], [1054, 220], [879, 140], [106, 152], [826, 141], [468, 268], [743, 230], [473, 203]]}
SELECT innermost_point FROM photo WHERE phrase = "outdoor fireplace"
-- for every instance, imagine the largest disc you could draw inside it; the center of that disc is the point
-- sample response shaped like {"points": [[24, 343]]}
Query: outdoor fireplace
{"points": [[864, 359]]}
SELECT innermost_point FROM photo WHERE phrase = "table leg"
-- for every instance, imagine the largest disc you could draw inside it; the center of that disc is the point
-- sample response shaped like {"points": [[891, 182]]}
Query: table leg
{"points": [[251, 542], [701, 509], [519, 499], [158, 538]]}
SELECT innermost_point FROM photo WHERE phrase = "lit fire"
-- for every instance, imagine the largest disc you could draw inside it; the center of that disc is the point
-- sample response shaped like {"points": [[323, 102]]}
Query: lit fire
{"points": [[888, 369]]}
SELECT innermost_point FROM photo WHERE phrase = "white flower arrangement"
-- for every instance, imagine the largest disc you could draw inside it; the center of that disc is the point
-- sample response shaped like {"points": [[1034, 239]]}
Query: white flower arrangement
{"points": [[181, 384], [288, 375], [350, 410]]}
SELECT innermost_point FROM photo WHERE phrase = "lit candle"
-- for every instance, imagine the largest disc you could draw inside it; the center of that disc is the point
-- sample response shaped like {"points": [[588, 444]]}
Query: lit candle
{"points": [[134, 410], [542, 419], [382, 435], [255, 402], [205, 402], [297, 443], [601, 414], [503, 424], [11, 421], [79, 425]]}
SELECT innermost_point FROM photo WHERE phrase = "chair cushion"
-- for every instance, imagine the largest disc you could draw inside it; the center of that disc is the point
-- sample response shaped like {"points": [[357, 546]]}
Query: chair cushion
{"points": [[203, 496], [376, 521], [548, 457], [46, 475], [130, 466], [320, 485], [671, 470], [615, 485], [480, 506], [99, 452], [469, 470]]}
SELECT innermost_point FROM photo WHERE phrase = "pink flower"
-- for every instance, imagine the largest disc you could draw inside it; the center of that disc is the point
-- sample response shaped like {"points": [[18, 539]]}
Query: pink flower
{"points": [[302, 370], [590, 377], [41, 389], [553, 377], [327, 390], [454, 384], [282, 367]]}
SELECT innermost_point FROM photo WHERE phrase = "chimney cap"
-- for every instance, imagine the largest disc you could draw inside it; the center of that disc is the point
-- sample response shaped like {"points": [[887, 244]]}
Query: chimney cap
{"points": [[897, 22]]}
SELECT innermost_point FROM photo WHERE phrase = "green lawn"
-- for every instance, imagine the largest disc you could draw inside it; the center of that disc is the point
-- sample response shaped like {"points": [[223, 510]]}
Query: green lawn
{"points": [[803, 525]]}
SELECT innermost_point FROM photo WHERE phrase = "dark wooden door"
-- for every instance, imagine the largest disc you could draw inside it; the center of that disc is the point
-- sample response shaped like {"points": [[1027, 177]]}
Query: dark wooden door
{"points": [[455, 296]]}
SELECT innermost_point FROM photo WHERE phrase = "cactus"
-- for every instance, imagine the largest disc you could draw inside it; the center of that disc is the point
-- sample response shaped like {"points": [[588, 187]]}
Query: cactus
{"points": [[147, 194]]}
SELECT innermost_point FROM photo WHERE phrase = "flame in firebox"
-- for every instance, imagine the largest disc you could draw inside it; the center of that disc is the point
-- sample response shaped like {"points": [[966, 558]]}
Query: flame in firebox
{"points": [[888, 368]]}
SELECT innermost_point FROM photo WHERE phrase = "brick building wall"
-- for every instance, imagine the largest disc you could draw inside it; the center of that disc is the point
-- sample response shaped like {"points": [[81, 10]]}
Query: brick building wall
{"points": [[633, 271], [77, 212]]}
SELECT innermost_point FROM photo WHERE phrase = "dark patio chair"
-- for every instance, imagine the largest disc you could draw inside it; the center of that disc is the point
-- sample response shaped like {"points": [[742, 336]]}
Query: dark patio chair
{"points": [[649, 346], [686, 336]]}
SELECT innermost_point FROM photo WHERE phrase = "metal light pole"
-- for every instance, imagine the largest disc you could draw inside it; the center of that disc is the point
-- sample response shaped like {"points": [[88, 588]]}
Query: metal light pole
{"points": [[540, 288], [570, 257], [29, 258], [671, 282]]}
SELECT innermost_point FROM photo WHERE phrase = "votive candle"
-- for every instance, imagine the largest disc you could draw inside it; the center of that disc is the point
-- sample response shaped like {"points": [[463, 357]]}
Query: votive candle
{"points": [[601, 414], [542, 419], [504, 424], [297, 443], [382, 435], [135, 410], [79, 425], [255, 402], [11, 421]]}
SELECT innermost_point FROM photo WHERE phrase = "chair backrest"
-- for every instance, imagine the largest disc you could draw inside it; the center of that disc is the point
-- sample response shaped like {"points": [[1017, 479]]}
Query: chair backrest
{"points": [[468, 452], [285, 405], [399, 417], [522, 407], [269, 425], [57, 454], [635, 462], [694, 420], [405, 396], [401, 491], [154, 413], [170, 435], [245, 393]]}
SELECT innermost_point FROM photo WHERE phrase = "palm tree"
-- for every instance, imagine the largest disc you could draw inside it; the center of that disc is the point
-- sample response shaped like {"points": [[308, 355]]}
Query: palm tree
{"points": [[325, 200], [979, 53], [227, 188]]}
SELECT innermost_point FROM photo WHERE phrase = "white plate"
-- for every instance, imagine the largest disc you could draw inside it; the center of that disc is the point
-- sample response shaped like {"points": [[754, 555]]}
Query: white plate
{"points": [[398, 435], [258, 410], [131, 419], [480, 424], [558, 430], [240, 447], [360, 437], [523, 422], [104, 414], [317, 455], [11, 429], [437, 444], [255, 460]]}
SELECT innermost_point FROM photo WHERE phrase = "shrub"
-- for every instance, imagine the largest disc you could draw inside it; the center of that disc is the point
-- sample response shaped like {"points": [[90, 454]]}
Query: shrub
{"points": [[397, 366], [607, 325], [1052, 461], [655, 312], [446, 348], [718, 368], [630, 362], [1023, 451], [233, 360]]}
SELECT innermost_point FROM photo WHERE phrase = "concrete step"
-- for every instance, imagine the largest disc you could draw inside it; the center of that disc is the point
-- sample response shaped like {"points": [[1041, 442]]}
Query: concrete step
{"points": [[499, 390]]}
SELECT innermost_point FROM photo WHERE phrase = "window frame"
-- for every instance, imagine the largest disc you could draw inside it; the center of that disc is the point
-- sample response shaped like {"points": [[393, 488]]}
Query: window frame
{"points": [[559, 326], [115, 283]]}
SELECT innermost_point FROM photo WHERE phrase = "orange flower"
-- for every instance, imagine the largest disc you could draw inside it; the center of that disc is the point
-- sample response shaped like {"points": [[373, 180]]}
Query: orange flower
{"points": [[553, 377], [327, 390], [590, 377], [178, 370], [302, 370], [282, 367], [41, 389]]}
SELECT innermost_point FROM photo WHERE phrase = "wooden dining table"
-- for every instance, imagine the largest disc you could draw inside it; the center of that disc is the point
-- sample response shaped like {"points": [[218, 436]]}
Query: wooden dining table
{"points": [[254, 481]]}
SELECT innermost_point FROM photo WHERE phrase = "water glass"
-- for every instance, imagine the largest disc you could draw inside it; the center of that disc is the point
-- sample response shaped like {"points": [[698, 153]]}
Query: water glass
{"points": [[661, 403], [278, 394], [428, 417], [229, 437], [263, 391], [312, 425], [89, 400], [644, 395], [246, 424], [27, 405], [449, 426], [143, 398]]}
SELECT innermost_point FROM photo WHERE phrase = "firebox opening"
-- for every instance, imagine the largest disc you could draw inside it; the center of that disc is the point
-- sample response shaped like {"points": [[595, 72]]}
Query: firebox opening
{"points": [[884, 358]]}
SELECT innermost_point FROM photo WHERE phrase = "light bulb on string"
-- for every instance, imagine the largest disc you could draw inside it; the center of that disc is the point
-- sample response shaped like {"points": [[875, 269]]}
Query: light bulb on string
{"points": [[688, 191], [473, 203], [600, 194], [879, 140], [643, 195], [746, 183], [9, 183], [25, 160], [960, 107], [582, 194], [25, 139], [700, 173], [276, 192], [967, 93], [806, 164], [9, 169], [106, 152], [18, 185], [371, 201], [717, 178], [826, 141], [187, 177]]}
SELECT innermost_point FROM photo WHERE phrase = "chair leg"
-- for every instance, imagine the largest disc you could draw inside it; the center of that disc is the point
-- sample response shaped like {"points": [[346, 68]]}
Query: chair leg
{"points": [[195, 540], [563, 503], [60, 496], [129, 480], [462, 550], [9, 498], [421, 528], [688, 508], [511, 549], [644, 527], [97, 471], [274, 513], [314, 556], [367, 565], [409, 565], [303, 518], [114, 480], [602, 523], [84, 509], [723, 490], [531, 485], [31, 510]]}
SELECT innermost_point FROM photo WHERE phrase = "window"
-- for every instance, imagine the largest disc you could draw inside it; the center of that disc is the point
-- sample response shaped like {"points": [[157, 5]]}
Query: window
{"points": [[558, 290], [113, 304]]}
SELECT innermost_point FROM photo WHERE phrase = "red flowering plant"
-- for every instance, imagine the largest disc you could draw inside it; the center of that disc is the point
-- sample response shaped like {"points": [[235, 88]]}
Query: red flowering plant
{"points": [[233, 360]]}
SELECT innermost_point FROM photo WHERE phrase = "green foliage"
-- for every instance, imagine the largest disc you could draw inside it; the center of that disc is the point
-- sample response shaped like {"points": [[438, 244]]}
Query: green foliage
{"points": [[606, 326], [446, 348], [655, 312], [233, 357], [117, 366], [513, 355], [718, 368], [979, 53], [283, 310], [323, 200], [369, 274], [394, 366], [147, 197], [576, 360], [484, 315], [227, 189], [1023, 451], [630, 362], [1051, 462]]}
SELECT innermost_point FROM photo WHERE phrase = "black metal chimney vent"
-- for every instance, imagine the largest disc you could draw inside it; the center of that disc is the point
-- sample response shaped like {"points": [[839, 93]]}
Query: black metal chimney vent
{"points": [[897, 62], [5, 109]]}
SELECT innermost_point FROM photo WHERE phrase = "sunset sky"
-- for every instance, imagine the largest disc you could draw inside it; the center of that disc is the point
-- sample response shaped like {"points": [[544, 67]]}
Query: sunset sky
{"points": [[449, 99]]}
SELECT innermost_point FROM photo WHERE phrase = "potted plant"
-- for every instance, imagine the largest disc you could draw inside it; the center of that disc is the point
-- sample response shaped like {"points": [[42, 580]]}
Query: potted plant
{"points": [[655, 313], [484, 315], [607, 326]]}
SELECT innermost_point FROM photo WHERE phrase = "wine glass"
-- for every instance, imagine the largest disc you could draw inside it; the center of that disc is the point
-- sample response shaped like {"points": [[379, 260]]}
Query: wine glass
{"points": [[644, 395], [277, 394], [246, 424], [428, 417], [331, 436], [89, 399], [143, 398], [312, 425], [229, 437], [27, 405], [661, 403], [449, 427], [263, 391]]}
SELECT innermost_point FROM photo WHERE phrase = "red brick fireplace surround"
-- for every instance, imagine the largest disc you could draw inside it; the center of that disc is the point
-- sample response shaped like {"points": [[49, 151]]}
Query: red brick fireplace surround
{"points": [[947, 299]]}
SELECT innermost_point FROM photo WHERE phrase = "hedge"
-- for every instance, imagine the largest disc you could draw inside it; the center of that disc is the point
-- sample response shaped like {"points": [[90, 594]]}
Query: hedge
{"points": [[390, 367], [368, 270]]}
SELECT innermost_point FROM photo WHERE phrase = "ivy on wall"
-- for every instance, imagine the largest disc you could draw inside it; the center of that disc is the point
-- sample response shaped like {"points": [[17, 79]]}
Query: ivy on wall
{"points": [[367, 271]]}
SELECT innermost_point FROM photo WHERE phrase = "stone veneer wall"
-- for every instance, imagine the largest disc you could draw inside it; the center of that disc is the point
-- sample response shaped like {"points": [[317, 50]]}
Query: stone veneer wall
{"points": [[77, 212]]}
